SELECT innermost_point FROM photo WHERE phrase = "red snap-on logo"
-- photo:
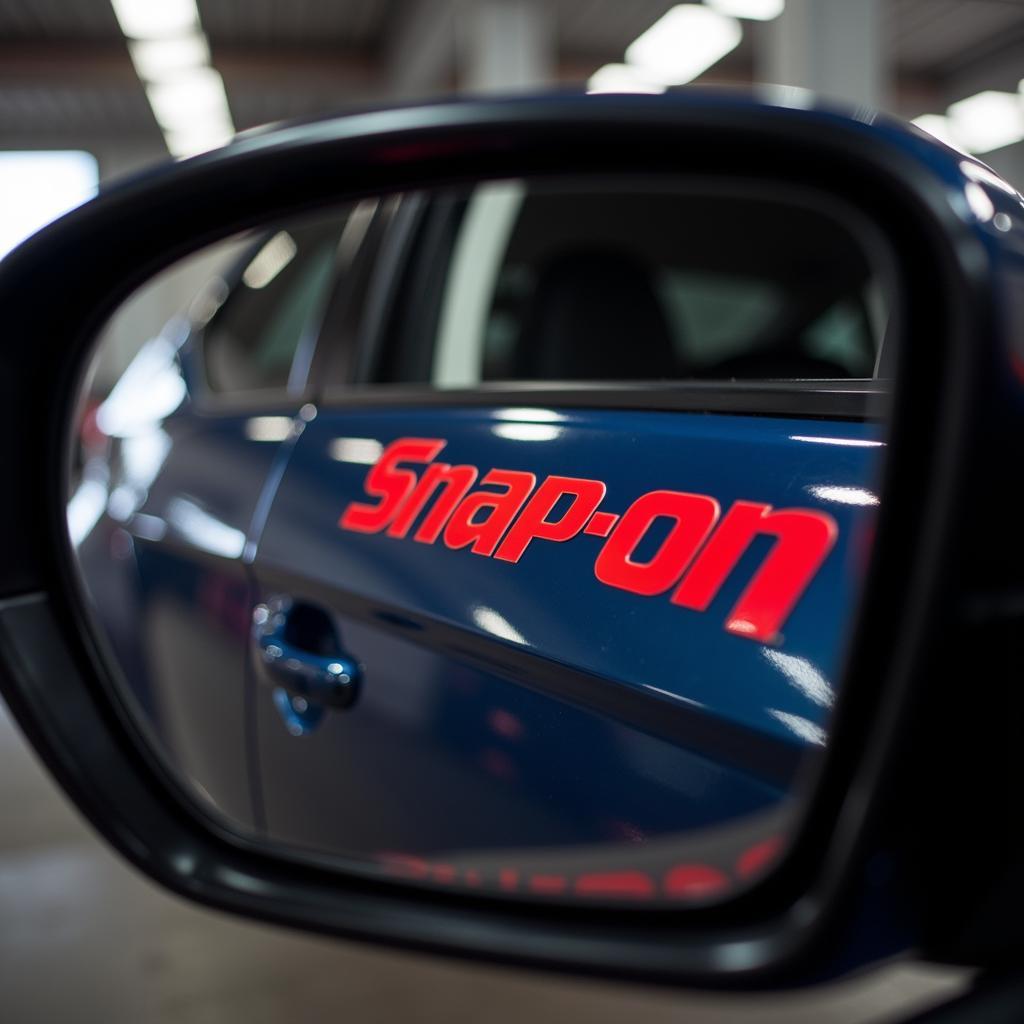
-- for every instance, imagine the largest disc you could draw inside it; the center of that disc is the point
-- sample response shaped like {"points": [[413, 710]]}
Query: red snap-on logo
{"points": [[511, 510]]}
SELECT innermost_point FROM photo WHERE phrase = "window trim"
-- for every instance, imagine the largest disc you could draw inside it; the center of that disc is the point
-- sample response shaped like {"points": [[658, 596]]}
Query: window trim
{"points": [[847, 399]]}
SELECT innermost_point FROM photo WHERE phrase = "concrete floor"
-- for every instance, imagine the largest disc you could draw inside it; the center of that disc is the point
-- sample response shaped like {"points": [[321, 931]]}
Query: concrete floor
{"points": [[85, 938]]}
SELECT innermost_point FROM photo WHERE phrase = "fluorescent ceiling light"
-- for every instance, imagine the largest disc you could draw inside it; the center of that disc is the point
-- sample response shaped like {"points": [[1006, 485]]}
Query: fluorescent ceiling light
{"points": [[172, 59], [153, 19], [755, 10], [193, 96], [683, 43], [939, 126], [201, 140], [621, 78], [155, 59], [988, 120]]}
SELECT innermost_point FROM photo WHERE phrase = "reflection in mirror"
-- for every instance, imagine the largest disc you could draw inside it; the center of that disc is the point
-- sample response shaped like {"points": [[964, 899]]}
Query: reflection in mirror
{"points": [[505, 538]]}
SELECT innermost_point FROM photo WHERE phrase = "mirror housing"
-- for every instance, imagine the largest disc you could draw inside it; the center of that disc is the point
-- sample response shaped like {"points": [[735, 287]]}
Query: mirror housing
{"points": [[878, 863]]}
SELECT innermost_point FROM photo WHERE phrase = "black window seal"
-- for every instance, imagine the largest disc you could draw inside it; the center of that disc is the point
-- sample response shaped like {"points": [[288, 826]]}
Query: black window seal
{"points": [[847, 399], [385, 284]]}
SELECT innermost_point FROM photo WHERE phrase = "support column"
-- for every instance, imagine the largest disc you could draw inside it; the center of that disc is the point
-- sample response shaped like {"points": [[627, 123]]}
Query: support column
{"points": [[420, 57], [832, 47], [505, 45]]}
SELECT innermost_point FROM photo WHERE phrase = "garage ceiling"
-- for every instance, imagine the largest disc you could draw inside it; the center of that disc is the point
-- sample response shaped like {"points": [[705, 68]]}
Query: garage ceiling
{"points": [[65, 71]]}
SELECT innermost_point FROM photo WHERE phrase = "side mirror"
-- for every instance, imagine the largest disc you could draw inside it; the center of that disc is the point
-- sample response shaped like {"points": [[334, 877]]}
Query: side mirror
{"points": [[553, 535]]}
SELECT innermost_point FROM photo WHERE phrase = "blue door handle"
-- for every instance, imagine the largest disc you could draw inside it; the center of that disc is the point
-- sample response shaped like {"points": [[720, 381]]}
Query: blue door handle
{"points": [[296, 648]]}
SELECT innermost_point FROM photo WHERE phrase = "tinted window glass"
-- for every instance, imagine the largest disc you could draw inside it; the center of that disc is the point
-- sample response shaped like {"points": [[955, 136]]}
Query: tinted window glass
{"points": [[251, 342], [546, 282]]}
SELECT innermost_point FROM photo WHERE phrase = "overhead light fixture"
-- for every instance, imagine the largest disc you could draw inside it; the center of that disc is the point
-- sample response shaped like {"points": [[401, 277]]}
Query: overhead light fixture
{"points": [[155, 59], [155, 19], [192, 109], [755, 10], [621, 78], [940, 127], [988, 120], [172, 59], [188, 98], [683, 43], [191, 143]]}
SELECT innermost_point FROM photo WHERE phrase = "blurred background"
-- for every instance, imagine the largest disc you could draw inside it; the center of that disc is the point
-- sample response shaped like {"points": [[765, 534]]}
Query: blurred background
{"points": [[94, 89], [91, 90]]}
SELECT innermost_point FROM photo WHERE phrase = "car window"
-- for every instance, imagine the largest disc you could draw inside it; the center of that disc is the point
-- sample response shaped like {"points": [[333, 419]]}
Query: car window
{"points": [[251, 342], [551, 283]]}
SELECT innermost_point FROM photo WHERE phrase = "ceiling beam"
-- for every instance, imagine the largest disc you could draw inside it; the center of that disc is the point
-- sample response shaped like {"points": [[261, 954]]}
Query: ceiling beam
{"points": [[46, 63]]}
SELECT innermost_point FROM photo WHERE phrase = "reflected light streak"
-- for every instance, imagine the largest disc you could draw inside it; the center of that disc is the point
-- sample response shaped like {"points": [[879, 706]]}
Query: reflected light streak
{"points": [[203, 530], [803, 675], [143, 455], [979, 202], [355, 229], [525, 414], [986, 176], [844, 495], [363, 451], [147, 527], [674, 696], [497, 625], [843, 442], [792, 96], [85, 507], [527, 431], [802, 727], [146, 393], [275, 255], [123, 502], [268, 428]]}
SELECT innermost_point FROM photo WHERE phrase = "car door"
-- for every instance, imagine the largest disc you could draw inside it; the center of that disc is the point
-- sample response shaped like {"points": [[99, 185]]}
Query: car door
{"points": [[198, 424], [552, 600]]}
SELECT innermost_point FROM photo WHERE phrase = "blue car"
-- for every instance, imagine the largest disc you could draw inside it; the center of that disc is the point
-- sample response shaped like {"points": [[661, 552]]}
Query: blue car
{"points": [[393, 573]]}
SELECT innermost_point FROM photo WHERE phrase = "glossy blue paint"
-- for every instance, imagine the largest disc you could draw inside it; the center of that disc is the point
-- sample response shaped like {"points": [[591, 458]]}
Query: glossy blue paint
{"points": [[550, 602], [489, 763], [164, 570]]}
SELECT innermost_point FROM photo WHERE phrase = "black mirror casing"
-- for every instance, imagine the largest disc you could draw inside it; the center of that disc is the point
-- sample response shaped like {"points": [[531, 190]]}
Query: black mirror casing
{"points": [[879, 861]]}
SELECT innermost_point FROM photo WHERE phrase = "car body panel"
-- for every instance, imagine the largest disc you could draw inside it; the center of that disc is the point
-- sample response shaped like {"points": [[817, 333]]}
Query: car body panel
{"points": [[441, 635], [165, 572]]}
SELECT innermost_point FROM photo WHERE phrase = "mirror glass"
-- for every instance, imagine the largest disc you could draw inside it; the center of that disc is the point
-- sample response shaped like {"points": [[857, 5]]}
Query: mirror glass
{"points": [[505, 538]]}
